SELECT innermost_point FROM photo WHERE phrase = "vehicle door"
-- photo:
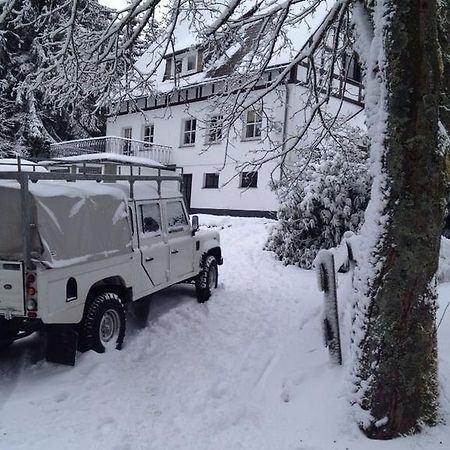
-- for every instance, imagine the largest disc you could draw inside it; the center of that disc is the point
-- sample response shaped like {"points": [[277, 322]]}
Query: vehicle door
{"points": [[153, 242], [181, 244]]}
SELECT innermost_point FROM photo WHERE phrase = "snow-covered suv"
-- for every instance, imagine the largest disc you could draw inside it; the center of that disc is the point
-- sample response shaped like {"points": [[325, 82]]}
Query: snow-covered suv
{"points": [[76, 248]]}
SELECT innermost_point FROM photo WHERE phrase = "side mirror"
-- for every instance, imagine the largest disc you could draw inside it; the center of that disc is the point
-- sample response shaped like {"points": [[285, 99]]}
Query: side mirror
{"points": [[194, 225]]}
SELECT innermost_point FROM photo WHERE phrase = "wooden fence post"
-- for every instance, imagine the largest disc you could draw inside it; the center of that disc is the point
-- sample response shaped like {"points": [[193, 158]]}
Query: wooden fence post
{"points": [[327, 283]]}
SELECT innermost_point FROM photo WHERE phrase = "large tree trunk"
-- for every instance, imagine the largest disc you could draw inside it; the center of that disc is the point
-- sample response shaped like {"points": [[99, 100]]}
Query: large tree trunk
{"points": [[395, 331]]}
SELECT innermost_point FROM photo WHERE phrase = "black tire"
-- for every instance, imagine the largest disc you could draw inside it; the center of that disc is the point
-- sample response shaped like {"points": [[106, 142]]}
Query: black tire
{"points": [[5, 343], [7, 336], [207, 279], [103, 324]]}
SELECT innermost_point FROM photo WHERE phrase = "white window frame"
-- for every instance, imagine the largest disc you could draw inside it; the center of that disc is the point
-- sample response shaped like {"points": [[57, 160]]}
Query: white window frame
{"points": [[192, 132], [195, 57], [125, 132], [177, 61], [126, 147], [253, 123], [183, 63], [150, 138], [214, 130]]}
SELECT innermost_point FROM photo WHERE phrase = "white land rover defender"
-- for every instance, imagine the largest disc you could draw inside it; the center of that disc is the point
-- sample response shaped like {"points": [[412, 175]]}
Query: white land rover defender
{"points": [[81, 241]]}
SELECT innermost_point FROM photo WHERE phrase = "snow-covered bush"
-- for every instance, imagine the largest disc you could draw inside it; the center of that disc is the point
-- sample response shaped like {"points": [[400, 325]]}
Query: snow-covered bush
{"points": [[323, 195]]}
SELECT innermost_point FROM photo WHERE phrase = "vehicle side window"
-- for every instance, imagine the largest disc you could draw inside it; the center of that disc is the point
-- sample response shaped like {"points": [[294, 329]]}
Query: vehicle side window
{"points": [[176, 217], [151, 219], [130, 215]]}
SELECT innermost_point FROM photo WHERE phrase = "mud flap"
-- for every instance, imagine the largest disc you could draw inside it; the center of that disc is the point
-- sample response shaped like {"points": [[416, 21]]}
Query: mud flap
{"points": [[61, 346]]}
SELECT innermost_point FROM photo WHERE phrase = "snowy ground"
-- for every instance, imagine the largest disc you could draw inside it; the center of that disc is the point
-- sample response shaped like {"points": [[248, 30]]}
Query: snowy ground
{"points": [[245, 371]]}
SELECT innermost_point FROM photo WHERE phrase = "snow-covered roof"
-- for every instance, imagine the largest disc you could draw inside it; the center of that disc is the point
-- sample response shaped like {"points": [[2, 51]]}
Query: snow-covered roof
{"points": [[187, 35]]}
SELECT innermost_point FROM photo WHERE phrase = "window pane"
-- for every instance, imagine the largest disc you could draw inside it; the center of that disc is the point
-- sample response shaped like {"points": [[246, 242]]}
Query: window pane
{"points": [[176, 218], [250, 131], [178, 65], [126, 145], [149, 131], [191, 62], [130, 215], [190, 124], [211, 180], [253, 125], [249, 179], [151, 218], [215, 129], [189, 131]]}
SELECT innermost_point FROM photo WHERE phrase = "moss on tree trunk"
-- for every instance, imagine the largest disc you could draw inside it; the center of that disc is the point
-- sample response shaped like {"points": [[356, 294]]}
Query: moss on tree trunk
{"points": [[399, 361]]}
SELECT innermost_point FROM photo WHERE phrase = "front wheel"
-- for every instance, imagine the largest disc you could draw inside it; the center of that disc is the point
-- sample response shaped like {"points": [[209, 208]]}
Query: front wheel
{"points": [[103, 324], [207, 279]]}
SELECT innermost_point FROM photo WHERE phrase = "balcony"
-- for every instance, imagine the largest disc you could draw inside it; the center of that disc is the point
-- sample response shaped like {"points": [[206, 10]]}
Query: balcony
{"points": [[115, 145]]}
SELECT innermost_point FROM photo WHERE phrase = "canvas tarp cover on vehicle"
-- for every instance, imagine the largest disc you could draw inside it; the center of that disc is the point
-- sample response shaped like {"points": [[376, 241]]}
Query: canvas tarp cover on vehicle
{"points": [[75, 222]]}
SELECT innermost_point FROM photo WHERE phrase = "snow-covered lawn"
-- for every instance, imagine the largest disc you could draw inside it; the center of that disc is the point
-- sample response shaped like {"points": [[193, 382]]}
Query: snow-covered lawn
{"points": [[247, 370]]}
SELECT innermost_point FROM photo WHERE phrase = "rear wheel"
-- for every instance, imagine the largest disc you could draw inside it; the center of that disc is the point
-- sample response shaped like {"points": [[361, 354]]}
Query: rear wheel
{"points": [[103, 324], [5, 343], [207, 279], [7, 336]]}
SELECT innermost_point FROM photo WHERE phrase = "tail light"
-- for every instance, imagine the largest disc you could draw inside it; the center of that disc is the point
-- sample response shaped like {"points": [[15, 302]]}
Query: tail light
{"points": [[31, 293]]}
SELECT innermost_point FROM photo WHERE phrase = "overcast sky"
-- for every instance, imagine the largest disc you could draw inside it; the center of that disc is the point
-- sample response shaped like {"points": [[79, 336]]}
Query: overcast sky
{"points": [[117, 4]]}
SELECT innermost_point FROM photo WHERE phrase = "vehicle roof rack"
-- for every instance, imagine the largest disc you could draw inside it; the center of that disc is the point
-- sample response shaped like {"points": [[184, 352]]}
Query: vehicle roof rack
{"points": [[30, 169]]}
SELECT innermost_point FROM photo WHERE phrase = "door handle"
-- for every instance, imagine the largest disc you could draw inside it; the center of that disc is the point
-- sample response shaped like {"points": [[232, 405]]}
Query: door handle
{"points": [[148, 259], [174, 252]]}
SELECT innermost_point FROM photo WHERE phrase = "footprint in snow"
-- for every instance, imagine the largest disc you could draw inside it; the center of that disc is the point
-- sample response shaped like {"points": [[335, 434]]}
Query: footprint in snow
{"points": [[218, 390], [106, 425], [286, 390], [62, 396]]}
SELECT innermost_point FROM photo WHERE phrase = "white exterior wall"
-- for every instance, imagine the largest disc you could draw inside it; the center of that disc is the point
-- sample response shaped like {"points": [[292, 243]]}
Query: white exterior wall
{"points": [[225, 157], [202, 157]]}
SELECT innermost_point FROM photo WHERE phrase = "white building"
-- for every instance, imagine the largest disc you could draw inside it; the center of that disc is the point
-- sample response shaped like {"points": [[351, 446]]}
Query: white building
{"points": [[185, 115]]}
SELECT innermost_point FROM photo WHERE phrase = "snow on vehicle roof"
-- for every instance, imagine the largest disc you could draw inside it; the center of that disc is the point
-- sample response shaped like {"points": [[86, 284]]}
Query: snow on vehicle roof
{"points": [[106, 157], [84, 189], [142, 190], [10, 165]]}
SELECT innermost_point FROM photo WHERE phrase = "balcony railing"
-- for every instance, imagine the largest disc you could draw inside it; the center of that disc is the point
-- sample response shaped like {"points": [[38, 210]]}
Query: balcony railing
{"points": [[113, 144]]}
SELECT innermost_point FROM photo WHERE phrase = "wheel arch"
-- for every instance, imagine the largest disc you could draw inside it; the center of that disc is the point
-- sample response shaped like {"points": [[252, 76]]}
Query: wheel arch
{"points": [[217, 253], [115, 284]]}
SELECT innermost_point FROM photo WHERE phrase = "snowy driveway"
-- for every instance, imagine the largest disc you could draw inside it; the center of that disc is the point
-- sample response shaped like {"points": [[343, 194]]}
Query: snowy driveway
{"points": [[244, 371]]}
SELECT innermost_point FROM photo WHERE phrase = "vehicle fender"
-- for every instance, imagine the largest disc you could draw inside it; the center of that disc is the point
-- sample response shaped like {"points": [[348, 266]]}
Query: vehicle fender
{"points": [[208, 243]]}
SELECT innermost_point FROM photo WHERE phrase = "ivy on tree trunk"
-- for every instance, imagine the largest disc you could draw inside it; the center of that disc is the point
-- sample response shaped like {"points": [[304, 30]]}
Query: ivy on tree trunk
{"points": [[397, 371]]}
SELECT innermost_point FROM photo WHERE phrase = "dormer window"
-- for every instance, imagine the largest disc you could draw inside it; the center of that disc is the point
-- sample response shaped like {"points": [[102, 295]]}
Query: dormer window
{"points": [[191, 63], [178, 66], [183, 64]]}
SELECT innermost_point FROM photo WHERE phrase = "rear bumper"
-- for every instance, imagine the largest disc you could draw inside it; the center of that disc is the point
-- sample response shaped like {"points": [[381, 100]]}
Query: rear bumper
{"points": [[17, 324]]}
